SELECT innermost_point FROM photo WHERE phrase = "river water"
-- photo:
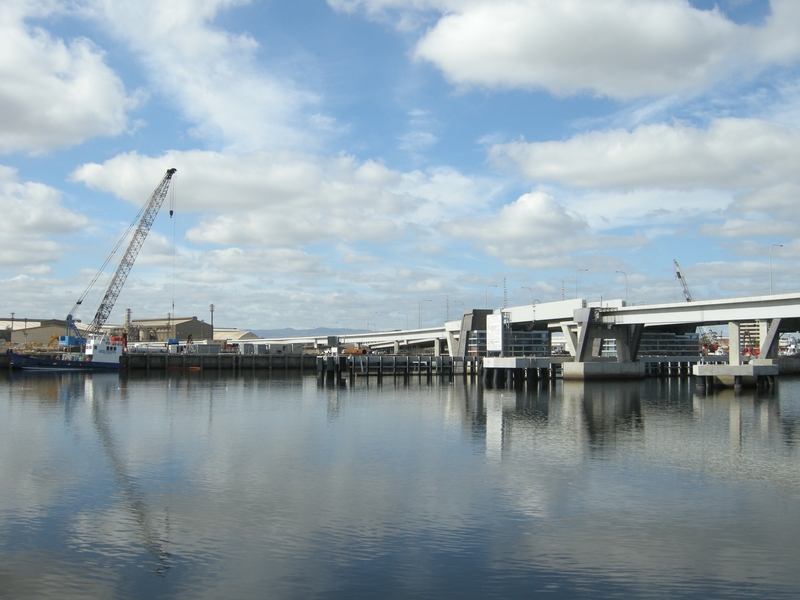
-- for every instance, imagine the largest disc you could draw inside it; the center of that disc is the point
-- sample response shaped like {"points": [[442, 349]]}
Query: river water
{"points": [[188, 485]]}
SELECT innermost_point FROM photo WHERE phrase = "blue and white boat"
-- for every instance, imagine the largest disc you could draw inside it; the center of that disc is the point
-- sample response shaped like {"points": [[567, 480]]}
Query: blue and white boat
{"points": [[101, 354]]}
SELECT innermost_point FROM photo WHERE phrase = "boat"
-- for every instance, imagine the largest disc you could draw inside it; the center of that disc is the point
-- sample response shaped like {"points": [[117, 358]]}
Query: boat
{"points": [[101, 354]]}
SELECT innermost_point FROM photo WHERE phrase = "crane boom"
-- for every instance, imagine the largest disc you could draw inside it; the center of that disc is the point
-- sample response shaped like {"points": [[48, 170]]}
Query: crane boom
{"points": [[125, 265], [684, 286]]}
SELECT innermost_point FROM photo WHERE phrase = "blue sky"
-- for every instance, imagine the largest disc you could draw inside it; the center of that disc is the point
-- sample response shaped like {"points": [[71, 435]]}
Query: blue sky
{"points": [[343, 162]]}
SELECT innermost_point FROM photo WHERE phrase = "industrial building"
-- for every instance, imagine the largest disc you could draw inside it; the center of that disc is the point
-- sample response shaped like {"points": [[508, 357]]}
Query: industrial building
{"points": [[33, 331], [162, 330]]}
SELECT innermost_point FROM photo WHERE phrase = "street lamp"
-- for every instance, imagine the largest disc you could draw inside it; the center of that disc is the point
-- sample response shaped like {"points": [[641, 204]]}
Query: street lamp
{"points": [[626, 284], [462, 304], [487, 294], [524, 287], [770, 265], [419, 313], [576, 280], [402, 313]]}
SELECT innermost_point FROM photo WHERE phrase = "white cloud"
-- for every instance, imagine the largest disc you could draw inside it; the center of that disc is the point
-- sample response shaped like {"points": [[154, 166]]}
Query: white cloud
{"points": [[779, 201], [535, 231], [778, 41], [272, 261], [352, 258], [417, 141], [53, 93], [657, 210], [289, 199], [618, 48], [212, 75], [743, 228], [428, 248], [32, 212], [730, 154]]}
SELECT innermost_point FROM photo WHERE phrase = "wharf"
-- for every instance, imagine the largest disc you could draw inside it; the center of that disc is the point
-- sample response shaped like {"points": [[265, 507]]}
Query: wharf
{"points": [[209, 362], [218, 362], [334, 368]]}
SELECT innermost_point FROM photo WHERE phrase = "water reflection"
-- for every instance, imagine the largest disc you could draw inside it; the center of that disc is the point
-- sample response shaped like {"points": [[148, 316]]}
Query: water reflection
{"points": [[204, 486]]}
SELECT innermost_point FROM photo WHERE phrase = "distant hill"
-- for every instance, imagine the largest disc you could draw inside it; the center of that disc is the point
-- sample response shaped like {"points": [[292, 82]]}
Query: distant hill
{"points": [[290, 332]]}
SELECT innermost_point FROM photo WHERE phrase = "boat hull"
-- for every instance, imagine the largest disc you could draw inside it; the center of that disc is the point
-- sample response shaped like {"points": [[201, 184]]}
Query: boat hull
{"points": [[35, 363]]}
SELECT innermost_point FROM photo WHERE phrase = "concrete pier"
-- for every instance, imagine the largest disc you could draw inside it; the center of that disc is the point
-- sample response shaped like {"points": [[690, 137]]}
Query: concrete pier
{"points": [[603, 370], [755, 373], [515, 372]]}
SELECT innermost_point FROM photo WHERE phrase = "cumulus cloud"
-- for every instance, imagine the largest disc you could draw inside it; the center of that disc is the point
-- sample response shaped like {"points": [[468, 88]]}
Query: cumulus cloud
{"points": [[532, 231], [290, 199], [32, 213], [730, 154], [618, 48], [211, 74], [53, 94]]}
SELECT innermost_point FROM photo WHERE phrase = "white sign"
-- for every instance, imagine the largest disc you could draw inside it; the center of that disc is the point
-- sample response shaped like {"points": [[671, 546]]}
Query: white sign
{"points": [[494, 333]]}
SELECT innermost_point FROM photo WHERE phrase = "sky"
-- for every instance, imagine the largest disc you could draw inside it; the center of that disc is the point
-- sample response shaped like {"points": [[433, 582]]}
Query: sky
{"points": [[378, 164]]}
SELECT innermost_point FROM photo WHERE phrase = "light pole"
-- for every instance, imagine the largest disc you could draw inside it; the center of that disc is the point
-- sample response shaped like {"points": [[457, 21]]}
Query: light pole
{"points": [[626, 284], [525, 287], [402, 313], [487, 294], [576, 280], [419, 313], [368, 318], [770, 265], [463, 305]]}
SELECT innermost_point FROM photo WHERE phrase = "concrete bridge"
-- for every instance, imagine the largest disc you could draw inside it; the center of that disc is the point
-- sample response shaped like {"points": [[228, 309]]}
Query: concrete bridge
{"points": [[585, 325]]}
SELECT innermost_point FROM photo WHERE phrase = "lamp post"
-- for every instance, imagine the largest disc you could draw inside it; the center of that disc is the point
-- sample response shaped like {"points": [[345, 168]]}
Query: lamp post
{"points": [[402, 313], [576, 280], [626, 284], [525, 287], [487, 294], [770, 265], [462, 304], [419, 313]]}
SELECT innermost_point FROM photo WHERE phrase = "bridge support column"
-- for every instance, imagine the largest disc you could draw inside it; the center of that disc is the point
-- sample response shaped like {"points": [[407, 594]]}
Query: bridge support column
{"points": [[769, 339], [734, 344]]}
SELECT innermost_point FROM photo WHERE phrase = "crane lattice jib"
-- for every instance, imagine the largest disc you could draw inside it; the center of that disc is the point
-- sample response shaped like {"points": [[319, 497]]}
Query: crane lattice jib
{"points": [[125, 265], [684, 286]]}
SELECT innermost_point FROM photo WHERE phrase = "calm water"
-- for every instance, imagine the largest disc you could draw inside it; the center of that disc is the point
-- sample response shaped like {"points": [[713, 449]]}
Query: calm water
{"points": [[193, 486]]}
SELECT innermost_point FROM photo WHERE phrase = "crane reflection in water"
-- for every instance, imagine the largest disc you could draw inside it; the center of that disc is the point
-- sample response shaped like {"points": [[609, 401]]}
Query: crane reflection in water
{"points": [[152, 537]]}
